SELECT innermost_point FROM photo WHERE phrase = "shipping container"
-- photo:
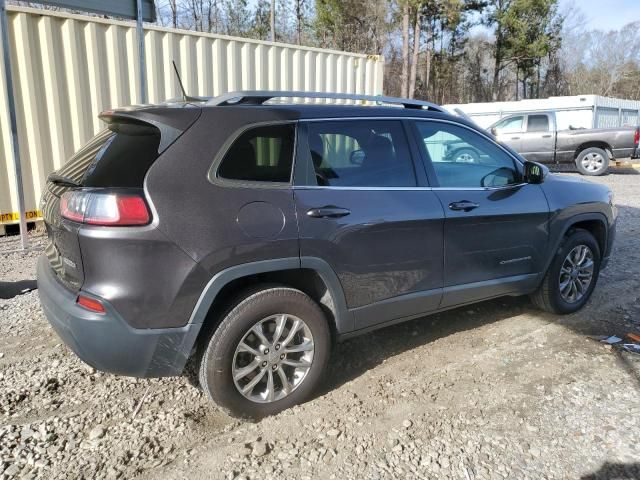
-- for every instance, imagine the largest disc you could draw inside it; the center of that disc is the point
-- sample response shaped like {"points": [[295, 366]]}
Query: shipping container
{"points": [[68, 68]]}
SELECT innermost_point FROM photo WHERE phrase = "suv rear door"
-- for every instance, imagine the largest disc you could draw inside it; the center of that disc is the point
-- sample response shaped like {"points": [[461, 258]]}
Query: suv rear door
{"points": [[362, 208], [495, 229]]}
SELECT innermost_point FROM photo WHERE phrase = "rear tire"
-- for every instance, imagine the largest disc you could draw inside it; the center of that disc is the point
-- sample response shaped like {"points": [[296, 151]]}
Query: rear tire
{"points": [[250, 336], [564, 289], [593, 161]]}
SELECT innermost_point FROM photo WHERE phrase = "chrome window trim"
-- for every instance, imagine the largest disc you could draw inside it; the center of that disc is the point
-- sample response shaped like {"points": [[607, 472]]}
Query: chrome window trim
{"points": [[484, 189]]}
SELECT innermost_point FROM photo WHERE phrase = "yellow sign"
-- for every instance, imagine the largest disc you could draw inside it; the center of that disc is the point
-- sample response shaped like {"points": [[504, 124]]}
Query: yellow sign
{"points": [[15, 216]]}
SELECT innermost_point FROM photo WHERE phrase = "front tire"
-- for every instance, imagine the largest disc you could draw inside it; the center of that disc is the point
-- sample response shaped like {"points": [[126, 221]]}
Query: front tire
{"points": [[593, 161], [572, 275], [268, 353]]}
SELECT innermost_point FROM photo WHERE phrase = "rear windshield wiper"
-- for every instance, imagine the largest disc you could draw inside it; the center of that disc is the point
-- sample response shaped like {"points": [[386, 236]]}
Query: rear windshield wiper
{"points": [[62, 180]]}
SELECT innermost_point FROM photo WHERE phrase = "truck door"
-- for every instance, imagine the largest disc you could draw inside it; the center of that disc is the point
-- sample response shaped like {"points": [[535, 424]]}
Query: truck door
{"points": [[509, 131], [538, 140]]}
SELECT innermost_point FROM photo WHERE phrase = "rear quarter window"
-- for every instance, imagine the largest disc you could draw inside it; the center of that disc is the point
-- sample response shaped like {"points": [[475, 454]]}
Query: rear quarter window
{"points": [[260, 154], [118, 156]]}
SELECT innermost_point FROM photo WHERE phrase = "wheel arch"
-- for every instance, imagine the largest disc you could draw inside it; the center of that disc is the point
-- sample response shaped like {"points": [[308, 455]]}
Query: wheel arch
{"points": [[595, 223], [593, 144], [311, 275]]}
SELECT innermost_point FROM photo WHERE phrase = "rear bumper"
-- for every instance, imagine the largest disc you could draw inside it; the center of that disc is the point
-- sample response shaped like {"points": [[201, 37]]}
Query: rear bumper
{"points": [[106, 341]]}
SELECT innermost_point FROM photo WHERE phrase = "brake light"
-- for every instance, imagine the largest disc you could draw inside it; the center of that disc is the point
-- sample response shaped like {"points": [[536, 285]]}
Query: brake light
{"points": [[105, 208], [90, 304], [636, 137]]}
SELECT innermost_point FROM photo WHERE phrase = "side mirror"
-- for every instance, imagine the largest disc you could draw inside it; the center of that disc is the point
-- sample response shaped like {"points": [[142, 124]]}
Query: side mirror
{"points": [[534, 172], [494, 131], [356, 157]]}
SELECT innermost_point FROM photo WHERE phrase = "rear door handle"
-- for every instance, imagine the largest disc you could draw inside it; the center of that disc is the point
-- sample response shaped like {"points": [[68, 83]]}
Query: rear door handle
{"points": [[546, 136], [328, 211], [515, 138], [464, 205]]}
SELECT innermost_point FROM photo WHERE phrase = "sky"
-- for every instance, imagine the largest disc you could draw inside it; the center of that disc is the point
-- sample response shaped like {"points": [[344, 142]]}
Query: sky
{"points": [[606, 14]]}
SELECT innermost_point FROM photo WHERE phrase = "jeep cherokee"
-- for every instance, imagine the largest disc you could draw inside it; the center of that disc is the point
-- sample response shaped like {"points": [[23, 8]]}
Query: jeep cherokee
{"points": [[250, 234]]}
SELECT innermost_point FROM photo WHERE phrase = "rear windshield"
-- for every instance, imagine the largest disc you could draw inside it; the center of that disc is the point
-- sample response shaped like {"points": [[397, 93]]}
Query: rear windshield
{"points": [[118, 156]]}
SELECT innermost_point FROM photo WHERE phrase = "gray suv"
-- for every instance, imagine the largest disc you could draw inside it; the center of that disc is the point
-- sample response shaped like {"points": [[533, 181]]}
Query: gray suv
{"points": [[249, 235]]}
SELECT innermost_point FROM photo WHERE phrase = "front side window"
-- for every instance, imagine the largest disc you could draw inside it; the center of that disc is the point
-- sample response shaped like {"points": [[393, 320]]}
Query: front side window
{"points": [[510, 125], [360, 153], [538, 123], [462, 158], [261, 154]]}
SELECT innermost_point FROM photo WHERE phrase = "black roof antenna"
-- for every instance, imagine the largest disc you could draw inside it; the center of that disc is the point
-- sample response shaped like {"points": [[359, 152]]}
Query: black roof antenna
{"points": [[185, 97], [184, 93]]}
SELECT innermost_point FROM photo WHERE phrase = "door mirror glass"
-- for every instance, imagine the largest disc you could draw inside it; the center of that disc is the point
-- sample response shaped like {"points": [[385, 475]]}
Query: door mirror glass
{"points": [[534, 172]]}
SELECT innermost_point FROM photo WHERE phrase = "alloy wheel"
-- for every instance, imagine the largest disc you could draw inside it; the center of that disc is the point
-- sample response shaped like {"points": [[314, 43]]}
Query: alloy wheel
{"points": [[592, 162], [273, 358], [576, 274]]}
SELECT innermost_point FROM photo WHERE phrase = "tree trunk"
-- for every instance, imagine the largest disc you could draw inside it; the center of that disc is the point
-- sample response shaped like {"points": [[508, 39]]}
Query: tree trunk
{"points": [[299, 19], [497, 67], [427, 74], [416, 53], [273, 20], [174, 13], [405, 50]]}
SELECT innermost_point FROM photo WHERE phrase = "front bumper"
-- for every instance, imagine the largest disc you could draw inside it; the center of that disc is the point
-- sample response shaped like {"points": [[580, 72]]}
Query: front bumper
{"points": [[106, 341]]}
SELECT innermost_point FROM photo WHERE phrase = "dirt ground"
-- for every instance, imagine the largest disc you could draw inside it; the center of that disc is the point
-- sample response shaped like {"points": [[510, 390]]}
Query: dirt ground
{"points": [[496, 390]]}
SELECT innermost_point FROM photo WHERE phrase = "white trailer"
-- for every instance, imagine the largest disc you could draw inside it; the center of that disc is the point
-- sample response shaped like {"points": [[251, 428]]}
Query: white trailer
{"points": [[578, 111]]}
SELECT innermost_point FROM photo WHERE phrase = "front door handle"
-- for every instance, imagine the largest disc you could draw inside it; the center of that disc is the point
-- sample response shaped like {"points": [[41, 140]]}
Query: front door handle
{"points": [[546, 136], [328, 211], [464, 205]]}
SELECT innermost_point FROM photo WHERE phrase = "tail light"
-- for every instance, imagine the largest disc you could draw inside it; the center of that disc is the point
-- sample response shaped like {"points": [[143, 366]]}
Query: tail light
{"points": [[105, 208], [636, 137]]}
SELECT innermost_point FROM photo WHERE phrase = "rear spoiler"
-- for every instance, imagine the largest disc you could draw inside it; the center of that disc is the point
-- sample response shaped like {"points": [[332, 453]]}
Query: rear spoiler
{"points": [[171, 122]]}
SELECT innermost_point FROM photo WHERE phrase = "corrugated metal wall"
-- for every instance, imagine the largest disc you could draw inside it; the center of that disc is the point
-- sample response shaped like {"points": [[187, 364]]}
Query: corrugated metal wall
{"points": [[68, 68]]}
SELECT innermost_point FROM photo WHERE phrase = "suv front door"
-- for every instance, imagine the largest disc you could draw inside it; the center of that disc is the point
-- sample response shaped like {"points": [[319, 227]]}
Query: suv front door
{"points": [[362, 209], [495, 229]]}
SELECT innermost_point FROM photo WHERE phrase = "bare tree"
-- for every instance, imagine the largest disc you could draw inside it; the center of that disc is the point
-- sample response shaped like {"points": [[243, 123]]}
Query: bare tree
{"points": [[416, 52], [405, 49], [273, 20]]}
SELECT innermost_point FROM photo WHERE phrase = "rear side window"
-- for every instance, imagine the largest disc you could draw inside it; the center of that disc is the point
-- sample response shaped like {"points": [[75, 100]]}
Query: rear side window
{"points": [[538, 123], [118, 156], [360, 153], [262, 154]]}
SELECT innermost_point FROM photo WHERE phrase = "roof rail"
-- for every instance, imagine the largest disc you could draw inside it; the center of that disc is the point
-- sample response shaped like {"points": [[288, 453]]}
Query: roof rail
{"points": [[258, 97]]}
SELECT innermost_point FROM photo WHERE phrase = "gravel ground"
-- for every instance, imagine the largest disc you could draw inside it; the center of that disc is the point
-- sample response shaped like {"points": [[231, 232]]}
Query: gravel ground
{"points": [[497, 390]]}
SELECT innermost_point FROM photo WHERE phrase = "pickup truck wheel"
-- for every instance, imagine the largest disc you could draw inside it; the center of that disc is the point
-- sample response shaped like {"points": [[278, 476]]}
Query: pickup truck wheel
{"points": [[466, 155], [268, 353], [592, 161], [572, 275]]}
